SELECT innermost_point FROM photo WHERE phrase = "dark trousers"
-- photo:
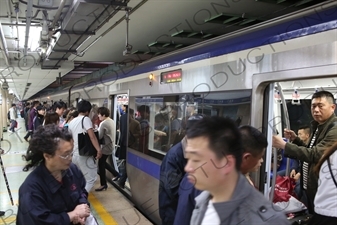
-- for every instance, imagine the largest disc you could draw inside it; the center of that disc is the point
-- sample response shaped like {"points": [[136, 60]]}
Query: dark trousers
{"points": [[29, 133], [322, 220], [102, 165]]}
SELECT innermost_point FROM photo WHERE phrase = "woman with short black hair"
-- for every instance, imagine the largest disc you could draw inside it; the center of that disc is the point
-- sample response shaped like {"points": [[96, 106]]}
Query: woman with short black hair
{"points": [[54, 192]]}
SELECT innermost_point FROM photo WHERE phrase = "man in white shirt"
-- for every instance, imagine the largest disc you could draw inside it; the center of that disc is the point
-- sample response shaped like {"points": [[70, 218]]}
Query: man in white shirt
{"points": [[214, 153], [13, 116], [87, 164]]}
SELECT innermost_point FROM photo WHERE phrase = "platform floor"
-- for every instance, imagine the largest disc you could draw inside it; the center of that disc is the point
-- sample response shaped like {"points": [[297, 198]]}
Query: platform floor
{"points": [[110, 207]]}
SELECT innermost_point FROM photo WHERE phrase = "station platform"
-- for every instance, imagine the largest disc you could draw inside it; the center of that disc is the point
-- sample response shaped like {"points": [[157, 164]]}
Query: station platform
{"points": [[110, 207]]}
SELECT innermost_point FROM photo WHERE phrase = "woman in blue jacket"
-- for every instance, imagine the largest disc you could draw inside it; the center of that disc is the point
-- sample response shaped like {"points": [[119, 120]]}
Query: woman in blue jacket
{"points": [[54, 192]]}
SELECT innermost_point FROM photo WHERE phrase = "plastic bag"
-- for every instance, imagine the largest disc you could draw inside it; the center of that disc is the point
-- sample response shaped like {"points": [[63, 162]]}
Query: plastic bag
{"points": [[284, 189]]}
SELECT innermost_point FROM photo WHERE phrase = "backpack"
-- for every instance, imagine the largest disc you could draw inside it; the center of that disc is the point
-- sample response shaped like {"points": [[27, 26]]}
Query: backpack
{"points": [[9, 115]]}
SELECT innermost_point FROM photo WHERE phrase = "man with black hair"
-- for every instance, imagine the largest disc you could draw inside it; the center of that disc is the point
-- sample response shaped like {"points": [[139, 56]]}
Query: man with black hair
{"points": [[324, 134], [254, 145], [214, 152], [171, 173], [87, 164]]}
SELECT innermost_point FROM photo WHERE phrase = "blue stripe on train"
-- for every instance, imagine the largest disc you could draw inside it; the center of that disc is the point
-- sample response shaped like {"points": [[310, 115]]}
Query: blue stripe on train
{"points": [[144, 165]]}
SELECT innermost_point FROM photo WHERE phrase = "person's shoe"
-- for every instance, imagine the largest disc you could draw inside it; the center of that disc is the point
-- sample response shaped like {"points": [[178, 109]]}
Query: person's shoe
{"points": [[116, 178], [2, 213], [104, 187], [26, 139]]}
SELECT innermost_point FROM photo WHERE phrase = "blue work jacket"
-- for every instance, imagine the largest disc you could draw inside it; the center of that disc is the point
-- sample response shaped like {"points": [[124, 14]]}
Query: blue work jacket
{"points": [[44, 200]]}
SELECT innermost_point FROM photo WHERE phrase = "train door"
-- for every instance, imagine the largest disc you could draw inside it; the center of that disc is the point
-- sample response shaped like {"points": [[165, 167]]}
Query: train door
{"points": [[286, 105], [119, 107]]}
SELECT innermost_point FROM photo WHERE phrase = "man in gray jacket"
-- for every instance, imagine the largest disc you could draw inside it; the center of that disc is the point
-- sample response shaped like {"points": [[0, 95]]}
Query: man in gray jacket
{"points": [[214, 153]]}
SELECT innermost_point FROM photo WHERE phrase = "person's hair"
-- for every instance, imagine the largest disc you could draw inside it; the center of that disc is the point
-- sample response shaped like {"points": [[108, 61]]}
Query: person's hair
{"points": [[144, 108], [59, 105], [324, 94], [13, 105], [223, 136], [126, 107], [71, 114], [84, 106], [131, 111], [327, 153], [306, 128], [51, 118], [253, 141], [35, 103], [46, 139], [103, 111]]}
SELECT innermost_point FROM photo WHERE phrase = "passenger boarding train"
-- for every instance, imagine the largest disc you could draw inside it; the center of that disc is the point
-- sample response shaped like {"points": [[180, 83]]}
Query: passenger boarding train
{"points": [[263, 76]]}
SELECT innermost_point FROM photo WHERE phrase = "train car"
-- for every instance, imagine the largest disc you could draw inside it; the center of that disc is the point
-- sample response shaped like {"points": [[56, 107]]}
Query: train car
{"points": [[263, 76]]}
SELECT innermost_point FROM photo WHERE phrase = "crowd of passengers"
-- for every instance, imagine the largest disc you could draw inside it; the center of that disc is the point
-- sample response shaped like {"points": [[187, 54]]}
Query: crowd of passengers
{"points": [[204, 178]]}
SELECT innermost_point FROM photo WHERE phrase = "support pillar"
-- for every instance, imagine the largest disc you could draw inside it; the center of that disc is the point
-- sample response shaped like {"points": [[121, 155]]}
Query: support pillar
{"points": [[4, 110]]}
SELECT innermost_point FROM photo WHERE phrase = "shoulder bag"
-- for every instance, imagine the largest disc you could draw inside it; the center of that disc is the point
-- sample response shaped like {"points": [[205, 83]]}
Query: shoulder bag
{"points": [[85, 146]]}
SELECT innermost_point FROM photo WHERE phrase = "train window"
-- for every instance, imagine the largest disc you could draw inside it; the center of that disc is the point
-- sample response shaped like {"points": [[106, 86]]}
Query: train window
{"points": [[162, 119]]}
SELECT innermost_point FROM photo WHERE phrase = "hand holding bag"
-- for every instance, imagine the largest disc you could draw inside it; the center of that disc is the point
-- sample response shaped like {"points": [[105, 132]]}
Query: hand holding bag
{"points": [[85, 146]]}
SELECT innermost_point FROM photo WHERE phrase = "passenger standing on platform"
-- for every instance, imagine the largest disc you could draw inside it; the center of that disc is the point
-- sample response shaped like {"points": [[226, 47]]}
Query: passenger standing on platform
{"points": [[87, 164], [214, 153], [326, 197], [53, 193], [324, 128], [59, 107], [171, 173], [26, 115], [107, 133], [39, 118], [51, 118], [254, 145], [13, 115], [32, 114]]}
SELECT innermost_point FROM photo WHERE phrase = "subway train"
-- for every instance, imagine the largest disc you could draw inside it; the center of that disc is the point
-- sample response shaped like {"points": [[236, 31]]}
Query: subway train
{"points": [[264, 76]]}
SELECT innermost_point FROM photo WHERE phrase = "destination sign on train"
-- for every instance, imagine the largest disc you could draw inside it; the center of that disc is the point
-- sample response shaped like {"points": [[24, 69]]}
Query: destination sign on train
{"points": [[171, 76]]}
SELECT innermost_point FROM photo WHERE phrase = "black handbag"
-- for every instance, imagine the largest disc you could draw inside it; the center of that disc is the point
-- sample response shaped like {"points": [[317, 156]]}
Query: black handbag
{"points": [[85, 146]]}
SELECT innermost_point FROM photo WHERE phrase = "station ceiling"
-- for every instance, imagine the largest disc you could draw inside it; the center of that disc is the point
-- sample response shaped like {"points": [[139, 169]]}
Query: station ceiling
{"points": [[47, 43]]}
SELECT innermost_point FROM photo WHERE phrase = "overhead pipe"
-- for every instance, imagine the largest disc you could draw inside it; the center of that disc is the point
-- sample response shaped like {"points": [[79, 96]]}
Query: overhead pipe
{"points": [[3, 46], [28, 18], [9, 11], [58, 13], [16, 8]]}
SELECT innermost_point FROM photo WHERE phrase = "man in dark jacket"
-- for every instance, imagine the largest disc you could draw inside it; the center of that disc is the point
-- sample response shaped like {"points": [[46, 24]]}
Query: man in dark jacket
{"points": [[324, 128], [32, 114], [171, 173]]}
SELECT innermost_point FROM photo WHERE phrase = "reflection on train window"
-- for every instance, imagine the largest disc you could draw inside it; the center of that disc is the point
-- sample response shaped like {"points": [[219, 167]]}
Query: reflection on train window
{"points": [[162, 120]]}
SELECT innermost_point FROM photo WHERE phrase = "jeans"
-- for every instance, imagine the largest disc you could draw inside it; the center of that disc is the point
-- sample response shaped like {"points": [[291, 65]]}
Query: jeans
{"points": [[88, 166]]}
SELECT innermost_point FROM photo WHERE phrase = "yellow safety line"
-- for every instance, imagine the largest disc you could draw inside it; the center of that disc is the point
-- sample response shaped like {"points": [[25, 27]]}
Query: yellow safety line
{"points": [[7, 220], [101, 211]]}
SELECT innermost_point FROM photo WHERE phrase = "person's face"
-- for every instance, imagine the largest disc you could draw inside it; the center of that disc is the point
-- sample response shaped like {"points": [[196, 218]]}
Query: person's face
{"points": [[100, 117], [204, 169], [257, 166], [249, 162], [303, 135], [60, 111], [321, 109], [41, 111], [63, 156]]}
